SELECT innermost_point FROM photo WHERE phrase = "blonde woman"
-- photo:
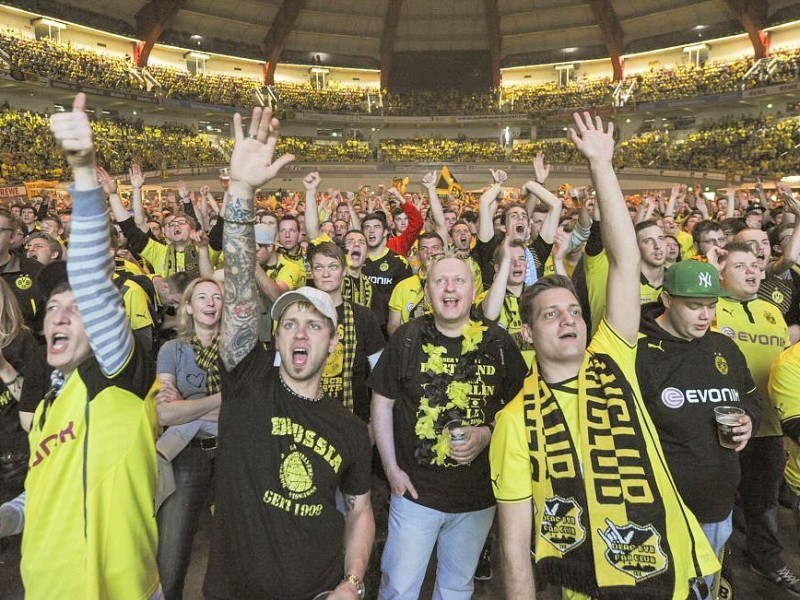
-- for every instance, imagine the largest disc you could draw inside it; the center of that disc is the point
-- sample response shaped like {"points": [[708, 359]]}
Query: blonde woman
{"points": [[188, 404], [24, 379]]}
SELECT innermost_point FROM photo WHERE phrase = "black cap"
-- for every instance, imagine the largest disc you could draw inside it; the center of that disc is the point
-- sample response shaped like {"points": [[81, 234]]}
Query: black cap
{"points": [[754, 208], [51, 277]]}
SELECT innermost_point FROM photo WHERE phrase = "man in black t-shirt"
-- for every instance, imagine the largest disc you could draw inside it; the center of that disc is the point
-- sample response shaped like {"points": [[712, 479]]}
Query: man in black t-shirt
{"points": [[685, 371], [285, 447], [384, 268], [436, 370]]}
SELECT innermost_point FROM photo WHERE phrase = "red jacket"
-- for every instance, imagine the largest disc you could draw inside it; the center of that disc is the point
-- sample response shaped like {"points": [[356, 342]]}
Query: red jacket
{"points": [[401, 244]]}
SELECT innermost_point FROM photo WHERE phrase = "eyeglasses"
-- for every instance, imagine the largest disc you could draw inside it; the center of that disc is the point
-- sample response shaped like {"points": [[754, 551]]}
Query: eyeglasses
{"points": [[714, 241], [177, 222], [334, 268]]}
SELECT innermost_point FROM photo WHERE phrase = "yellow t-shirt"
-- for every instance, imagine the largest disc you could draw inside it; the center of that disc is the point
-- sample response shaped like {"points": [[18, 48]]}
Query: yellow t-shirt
{"points": [[596, 271], [137, 305], [90, 528], [288, 271], [408, 299], [760, 332], [508, 455], [686, 242], [784, 383], [511, 321], [158, 255]]}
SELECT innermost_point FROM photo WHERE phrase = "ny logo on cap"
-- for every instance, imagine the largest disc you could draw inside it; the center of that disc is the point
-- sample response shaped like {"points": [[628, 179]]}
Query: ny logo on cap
{"points": [[705, 279]]}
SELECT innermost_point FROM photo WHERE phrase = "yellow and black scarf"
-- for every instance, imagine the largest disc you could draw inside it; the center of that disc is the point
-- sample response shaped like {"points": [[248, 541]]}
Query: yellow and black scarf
{"points": [[358, 290], [190, 261], [608, 521], [348, 341], [207, 358]]}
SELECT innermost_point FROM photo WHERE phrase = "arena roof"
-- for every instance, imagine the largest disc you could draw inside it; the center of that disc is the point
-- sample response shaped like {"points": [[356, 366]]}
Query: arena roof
{"points": [[367, 33]]}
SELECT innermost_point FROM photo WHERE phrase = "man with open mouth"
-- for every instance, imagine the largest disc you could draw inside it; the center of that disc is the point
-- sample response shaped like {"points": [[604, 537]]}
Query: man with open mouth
{"points": [[760, 331], [285, 446], [89, 527]]}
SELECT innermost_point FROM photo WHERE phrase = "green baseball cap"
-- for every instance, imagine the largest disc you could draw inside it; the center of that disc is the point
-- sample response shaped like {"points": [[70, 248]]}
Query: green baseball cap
{"points": [[692, 279]]}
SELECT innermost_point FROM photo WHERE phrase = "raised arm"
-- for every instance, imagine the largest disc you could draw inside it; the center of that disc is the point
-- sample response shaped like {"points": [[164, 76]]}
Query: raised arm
{"points": [[550, 225], [492, 304], [251, 167], [311, 183], [488, 204], [791, 254], [597, 145], [90, 265], [435, 205], [109, 185], [355, 222], [137, 183]]}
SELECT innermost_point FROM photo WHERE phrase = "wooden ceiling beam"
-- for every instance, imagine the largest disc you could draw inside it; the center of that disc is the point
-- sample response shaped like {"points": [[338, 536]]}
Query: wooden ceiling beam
{"points": [[151, 21], [275, 40], [495, 39], [612, 32], [752, 14], [390, 24]]}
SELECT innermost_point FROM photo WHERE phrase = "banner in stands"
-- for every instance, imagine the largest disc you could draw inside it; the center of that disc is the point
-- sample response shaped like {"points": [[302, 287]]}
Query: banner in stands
{"points": [[448, 185], [13, 191]]}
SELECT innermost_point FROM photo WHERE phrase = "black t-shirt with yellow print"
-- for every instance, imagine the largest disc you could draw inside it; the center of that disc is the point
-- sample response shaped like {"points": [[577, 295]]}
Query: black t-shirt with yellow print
{"points": [[277, 532]]}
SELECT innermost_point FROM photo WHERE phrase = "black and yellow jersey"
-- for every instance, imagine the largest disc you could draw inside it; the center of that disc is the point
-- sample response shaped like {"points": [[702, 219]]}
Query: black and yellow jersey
{"points": [[759, 330]]}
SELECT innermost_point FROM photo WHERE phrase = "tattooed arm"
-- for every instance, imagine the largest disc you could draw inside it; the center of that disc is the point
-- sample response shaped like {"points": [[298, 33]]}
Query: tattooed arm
{"points": [[251, 167], [359, 533]]}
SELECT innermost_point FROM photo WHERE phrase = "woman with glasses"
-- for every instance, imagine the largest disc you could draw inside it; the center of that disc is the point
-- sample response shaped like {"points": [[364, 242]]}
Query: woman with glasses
{"points": [[188, 404]]}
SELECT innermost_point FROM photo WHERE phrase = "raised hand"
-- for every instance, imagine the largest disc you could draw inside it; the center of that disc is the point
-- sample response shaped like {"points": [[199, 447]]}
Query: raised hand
{"points": [[183, 191], [252, 163], [540, 170], [429, 179], [591, 140], [311, 181], [136, 176], [499, 176], [74, 134], [109, 183]]}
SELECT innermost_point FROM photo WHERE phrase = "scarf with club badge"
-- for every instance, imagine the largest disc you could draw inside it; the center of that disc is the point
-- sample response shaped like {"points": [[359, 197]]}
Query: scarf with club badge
{"points": [[608, 520]]}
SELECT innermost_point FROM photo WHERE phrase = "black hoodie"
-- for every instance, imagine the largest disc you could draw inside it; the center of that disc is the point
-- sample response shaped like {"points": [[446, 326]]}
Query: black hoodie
{"points": [[681, 383]]}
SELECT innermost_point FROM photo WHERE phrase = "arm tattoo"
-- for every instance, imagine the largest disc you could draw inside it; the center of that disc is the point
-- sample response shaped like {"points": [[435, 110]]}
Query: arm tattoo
{"points": [[349, 504], [239, 332]]}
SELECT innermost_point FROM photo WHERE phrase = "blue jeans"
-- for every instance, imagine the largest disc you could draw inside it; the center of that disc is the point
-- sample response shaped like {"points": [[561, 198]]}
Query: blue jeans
{"points": [[413, 531], [717, 534], [179, 516]]}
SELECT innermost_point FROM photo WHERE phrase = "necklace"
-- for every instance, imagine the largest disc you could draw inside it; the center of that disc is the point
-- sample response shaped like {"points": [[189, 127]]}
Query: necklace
{"points": [[295, 394]]}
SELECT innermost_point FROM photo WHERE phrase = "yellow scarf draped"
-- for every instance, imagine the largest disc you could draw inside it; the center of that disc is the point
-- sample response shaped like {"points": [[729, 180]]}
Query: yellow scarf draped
{"points": [[608, 521]]}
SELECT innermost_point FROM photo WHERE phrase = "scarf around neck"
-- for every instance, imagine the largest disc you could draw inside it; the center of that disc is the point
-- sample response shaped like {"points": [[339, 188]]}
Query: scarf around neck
{"points": [[207, 358], [608, 520], [348, 341]]}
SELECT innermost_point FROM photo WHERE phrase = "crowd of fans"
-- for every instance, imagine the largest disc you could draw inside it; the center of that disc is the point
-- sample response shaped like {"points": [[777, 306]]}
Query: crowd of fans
{"points": [[440, 149], [62, 61], [749, 146], [27, 148]]}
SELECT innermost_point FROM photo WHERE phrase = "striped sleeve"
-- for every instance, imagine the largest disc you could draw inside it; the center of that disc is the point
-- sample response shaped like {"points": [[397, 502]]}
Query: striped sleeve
{"points": [[90, 265]]}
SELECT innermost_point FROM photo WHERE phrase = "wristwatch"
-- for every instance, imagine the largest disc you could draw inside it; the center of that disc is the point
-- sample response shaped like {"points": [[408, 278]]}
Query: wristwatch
{"points": [[356, 582]]}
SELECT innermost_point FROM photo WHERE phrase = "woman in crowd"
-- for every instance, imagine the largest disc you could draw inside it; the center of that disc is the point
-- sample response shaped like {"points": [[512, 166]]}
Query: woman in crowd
{"points": [[188, 403], [24, 379]]}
